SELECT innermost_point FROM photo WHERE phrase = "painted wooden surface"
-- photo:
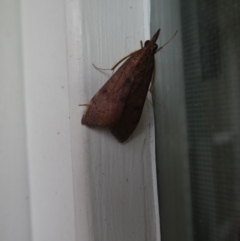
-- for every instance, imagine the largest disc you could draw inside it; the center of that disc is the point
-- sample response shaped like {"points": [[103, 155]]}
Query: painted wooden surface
{"points": [[47, 120], [14, 193], [114, 184], [82, 183]]}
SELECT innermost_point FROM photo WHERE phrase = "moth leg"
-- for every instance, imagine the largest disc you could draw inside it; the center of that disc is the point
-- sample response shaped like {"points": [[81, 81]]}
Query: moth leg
{"points": [[127, 56], [161, 47], [156, 101], [99, 68], [152, 85], [83, 105], [149, 101], [153, 77], [115, 65]]}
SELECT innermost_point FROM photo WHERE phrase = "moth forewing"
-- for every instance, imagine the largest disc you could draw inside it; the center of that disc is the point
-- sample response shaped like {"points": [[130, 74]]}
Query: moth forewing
{"points": [[106, 106], [134, 106], [119, 103]]}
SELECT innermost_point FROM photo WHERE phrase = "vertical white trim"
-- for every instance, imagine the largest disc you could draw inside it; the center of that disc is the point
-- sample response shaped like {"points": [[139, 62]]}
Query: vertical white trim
{"points": [[47, 120], [14, 195]]}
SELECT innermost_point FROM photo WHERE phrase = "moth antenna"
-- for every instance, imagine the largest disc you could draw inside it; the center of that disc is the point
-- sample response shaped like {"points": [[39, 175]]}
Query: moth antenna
{"points": [[141, 43], [161, 47], [83, 105]]}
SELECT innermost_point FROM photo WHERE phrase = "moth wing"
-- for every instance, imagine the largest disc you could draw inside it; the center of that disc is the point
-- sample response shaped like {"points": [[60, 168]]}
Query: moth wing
{"points": [[107, 105], [133, 109]]}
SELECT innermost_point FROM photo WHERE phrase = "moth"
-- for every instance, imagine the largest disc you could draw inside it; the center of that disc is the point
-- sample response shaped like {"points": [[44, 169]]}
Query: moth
{"points": [[119, 103]]}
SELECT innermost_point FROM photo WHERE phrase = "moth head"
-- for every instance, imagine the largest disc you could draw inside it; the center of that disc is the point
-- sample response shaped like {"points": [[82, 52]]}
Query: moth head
{"points": [[155, 46]]}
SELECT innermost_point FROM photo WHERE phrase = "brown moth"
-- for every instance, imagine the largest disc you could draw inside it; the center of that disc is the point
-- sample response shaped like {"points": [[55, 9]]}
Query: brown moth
{"points": [[119, 103]]}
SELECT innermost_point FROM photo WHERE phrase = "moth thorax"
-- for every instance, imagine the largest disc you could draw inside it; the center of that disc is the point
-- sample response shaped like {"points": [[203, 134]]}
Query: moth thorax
{"points": [[155, 47]]}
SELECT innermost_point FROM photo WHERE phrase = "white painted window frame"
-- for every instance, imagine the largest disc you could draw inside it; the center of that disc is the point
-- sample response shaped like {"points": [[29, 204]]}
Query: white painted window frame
{"points": [[62, 180]]}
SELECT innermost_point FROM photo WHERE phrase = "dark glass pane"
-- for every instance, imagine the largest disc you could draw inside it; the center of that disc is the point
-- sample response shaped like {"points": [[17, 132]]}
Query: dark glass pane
{"points": [[211, 47]]}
